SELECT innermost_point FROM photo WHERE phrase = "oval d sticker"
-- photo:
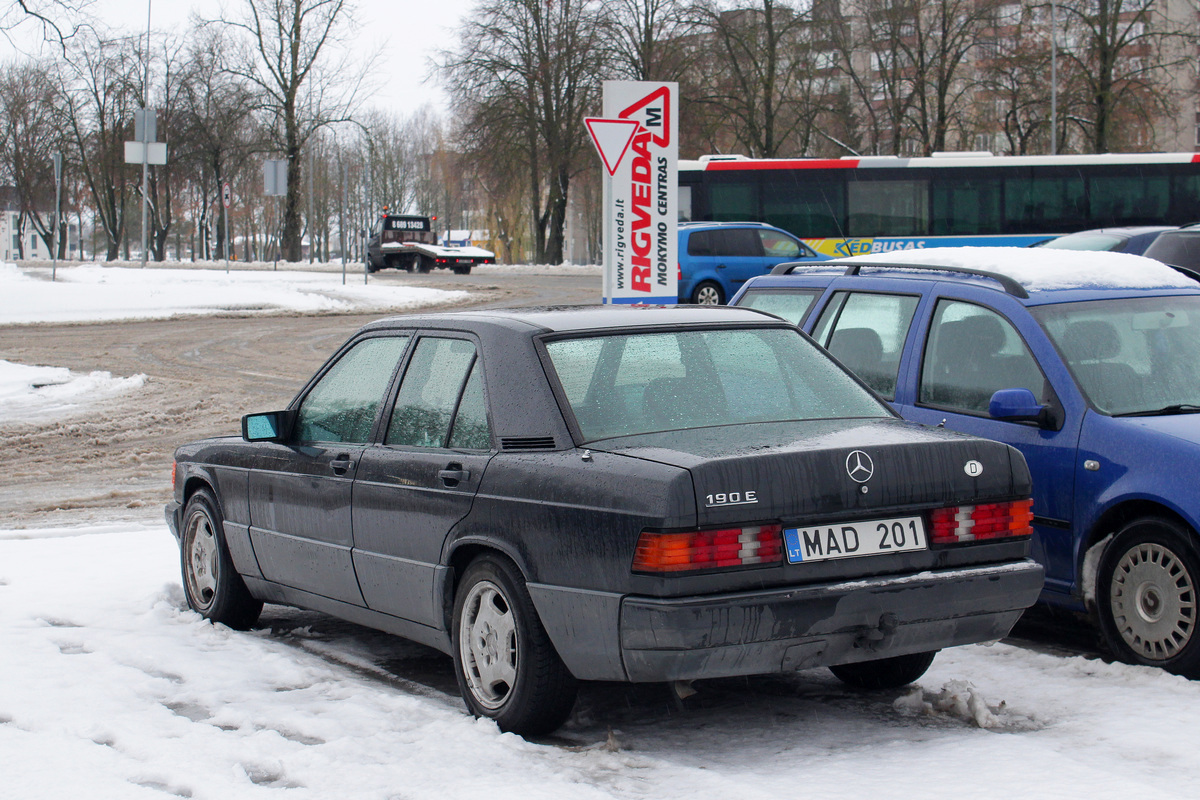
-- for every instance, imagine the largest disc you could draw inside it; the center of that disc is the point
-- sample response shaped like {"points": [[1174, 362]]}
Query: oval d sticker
{"points": [[973, 468]]}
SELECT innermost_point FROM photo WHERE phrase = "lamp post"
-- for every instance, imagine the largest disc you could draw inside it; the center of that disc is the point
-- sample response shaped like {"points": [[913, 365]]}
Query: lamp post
{"points": [[146, 137], [1053, 78]]}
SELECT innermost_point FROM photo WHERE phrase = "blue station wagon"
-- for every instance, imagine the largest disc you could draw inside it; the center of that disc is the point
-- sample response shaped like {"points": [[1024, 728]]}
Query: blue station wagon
{"points": [[1087, 362], [716, 258]]}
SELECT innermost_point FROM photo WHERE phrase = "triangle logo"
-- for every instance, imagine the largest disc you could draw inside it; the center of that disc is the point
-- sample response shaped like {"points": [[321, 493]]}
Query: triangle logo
{"points": [[612, 138]]}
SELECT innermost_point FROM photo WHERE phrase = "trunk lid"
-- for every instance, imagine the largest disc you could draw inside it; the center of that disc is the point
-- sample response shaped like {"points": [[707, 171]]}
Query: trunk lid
{"points": [[812, 471]]}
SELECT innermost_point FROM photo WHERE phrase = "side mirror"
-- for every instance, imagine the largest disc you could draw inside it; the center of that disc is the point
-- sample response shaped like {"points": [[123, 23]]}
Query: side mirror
{"points": [[273, 426], [1017, 405]]}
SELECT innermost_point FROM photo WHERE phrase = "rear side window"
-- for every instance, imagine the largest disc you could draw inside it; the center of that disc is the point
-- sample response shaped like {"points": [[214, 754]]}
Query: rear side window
{"points": [[434, 383], [725, 242], [788, 304], [1178, 249], [972, 353], [866, 332]]}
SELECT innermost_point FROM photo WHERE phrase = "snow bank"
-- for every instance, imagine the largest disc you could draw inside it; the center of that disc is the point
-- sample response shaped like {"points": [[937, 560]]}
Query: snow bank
{"points": [[109, 688], [95, 293], [28, 392]]}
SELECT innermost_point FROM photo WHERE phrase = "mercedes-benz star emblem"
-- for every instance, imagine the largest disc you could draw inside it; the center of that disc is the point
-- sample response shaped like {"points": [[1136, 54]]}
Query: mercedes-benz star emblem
{"points": [[859, 466]]}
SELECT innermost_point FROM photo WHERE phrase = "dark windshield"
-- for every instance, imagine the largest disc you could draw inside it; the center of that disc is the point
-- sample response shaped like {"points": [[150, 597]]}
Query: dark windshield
{"points": [[623, 384], [1131, 355]]}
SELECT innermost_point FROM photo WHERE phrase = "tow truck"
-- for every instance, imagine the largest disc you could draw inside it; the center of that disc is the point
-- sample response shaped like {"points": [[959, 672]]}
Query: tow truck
{"points": [[408, 242]]}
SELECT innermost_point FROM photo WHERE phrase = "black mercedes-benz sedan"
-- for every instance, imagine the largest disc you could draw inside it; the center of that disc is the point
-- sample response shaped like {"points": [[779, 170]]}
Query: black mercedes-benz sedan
{"points": [[604, 493]]}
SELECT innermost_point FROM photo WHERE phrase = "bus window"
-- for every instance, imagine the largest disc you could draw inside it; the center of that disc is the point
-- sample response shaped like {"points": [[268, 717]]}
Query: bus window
{"points": [[733, 201], [1039, 205], [809, 209], [1128, 199], [889, 208], [966, 207]]}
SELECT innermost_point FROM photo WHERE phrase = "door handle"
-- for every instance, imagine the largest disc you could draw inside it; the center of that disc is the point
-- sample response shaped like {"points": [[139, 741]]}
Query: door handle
{"points": [[341, 464], [453, 474], [720, 266]]}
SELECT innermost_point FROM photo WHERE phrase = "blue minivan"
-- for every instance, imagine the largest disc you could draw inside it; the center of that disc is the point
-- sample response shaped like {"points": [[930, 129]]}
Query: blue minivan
{"points": [[1086, 362], [716, 258]]}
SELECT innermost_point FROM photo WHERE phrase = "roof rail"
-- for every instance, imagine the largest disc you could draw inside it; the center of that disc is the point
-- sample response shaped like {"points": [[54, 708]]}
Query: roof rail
{"points": [[1007, 283]]}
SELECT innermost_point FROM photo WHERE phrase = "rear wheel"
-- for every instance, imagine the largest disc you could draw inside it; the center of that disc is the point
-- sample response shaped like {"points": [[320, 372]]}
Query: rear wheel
{"points": [[424, 264], [211, 584], [463, 270], [507, 668], [708, 293], [1146, 595], [884, 673]]}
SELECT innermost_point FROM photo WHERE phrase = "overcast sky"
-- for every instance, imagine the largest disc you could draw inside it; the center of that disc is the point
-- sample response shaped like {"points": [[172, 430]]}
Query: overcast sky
{"points": [[408, 31]]}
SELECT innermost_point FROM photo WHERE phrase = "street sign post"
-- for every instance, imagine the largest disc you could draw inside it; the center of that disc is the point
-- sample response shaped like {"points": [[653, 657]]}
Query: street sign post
{"points": [[638, 141], [226, 200], [145, 151], [57, 159]]}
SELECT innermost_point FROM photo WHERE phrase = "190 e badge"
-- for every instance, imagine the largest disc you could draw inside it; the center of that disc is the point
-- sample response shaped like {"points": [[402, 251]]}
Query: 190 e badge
{"points": [[731, 499]]}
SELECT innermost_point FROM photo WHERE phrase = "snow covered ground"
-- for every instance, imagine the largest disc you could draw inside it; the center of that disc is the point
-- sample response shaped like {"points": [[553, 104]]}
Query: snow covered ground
{"points": [[110, 688], [100, 293]]}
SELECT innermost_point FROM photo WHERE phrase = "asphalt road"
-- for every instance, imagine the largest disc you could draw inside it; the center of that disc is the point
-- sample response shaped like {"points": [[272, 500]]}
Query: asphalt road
{"points": [[203, 374]]}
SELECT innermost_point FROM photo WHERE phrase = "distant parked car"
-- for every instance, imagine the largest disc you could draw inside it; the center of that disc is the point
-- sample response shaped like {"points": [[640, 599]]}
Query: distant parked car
{"points": [[716, 258], [649, 495], [1133, 240], [1179, 247], [1088, 363]]}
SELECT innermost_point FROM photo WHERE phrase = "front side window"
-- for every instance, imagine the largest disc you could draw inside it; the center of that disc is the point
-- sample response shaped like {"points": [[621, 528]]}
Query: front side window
{"points": [[776, 245], [866, 332], [1130, 356], [343, 404], [623, 384], [971, 353], [787, 304], [430, 394]]}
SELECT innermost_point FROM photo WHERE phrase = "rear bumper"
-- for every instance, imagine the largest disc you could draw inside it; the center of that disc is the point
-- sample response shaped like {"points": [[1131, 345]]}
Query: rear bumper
{"points": [[814, 626]]}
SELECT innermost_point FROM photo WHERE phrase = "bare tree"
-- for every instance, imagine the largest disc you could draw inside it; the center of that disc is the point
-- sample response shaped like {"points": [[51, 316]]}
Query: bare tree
{"points": [[763, 78], [30, 132], [648, 38], [57, 20], [306, 83], [523, 78], [99, 83], [1122, 51]]}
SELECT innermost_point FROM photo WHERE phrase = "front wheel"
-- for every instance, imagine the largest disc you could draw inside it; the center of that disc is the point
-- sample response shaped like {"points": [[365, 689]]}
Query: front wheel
{"points": [[507, 668], [884, 673], [211, 584], [708, 293], [1146, 595]]}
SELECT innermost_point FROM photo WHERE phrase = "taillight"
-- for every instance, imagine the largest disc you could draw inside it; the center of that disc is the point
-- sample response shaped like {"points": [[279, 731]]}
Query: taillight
{"points": [[693, 550], [977, 523]]}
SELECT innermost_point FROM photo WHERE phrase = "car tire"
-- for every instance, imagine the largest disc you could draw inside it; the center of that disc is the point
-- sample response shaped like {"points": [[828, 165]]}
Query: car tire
{"points": [[507, 668], [211, 585], [884, 673], [708, 293], [424, 264], [1146, 595]]}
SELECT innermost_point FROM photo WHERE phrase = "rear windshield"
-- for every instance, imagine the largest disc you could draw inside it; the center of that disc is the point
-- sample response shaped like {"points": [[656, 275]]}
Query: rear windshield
{"points": [[623, 384], [1085, 241]]}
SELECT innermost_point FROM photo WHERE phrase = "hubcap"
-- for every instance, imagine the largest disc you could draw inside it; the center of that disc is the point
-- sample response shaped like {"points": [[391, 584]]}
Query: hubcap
{"points": [[487, 637], [708, 296], [1153, 601], [200, 560]]}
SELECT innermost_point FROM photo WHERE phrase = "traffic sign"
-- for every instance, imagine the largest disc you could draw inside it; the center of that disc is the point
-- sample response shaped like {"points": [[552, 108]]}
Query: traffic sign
{"points": [[612, 138], [226, 195]]}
